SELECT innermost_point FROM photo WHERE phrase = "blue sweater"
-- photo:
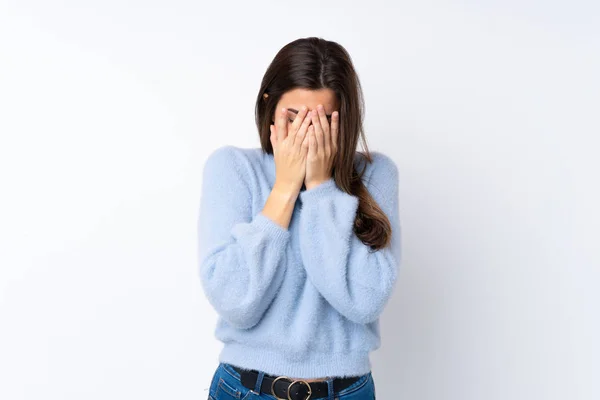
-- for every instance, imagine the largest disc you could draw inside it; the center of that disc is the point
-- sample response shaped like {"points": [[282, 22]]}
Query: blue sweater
{"points": [[303, 302]]}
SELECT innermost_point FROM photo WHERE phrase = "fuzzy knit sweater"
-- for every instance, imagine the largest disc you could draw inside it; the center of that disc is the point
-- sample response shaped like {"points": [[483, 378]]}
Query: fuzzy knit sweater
{"points": [[305, 301]]}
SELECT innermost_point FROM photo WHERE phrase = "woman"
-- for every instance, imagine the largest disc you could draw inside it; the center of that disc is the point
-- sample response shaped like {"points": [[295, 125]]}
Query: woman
{"points": [[299, 241]]}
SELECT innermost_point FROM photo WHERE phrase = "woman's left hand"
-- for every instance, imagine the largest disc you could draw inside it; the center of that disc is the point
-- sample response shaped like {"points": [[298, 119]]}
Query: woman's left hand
{"points": [[322, 147]]}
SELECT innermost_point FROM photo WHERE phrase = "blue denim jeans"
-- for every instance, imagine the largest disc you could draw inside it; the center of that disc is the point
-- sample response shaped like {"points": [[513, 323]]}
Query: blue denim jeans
{"points": [[226, 385]]}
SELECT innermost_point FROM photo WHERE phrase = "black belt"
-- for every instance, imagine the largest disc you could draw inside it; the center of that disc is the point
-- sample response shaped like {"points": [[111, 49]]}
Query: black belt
{"points": [[298, 390]]}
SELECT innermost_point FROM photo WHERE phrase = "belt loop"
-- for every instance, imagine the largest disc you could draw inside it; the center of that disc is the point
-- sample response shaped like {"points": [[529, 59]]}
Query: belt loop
{"points": [[330, 391], [259, 380]]}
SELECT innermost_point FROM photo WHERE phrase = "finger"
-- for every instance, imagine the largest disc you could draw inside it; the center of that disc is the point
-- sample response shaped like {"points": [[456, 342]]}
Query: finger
{"points": [[318, 132], [335, 122], [305, 145], [303, 129], [281, 124], [312, 142], [295, 124], [326, 130], [299, 119]]}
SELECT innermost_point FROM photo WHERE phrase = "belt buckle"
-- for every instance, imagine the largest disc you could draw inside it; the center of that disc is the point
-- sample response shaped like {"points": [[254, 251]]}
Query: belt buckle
{"points": [[288, 389]]}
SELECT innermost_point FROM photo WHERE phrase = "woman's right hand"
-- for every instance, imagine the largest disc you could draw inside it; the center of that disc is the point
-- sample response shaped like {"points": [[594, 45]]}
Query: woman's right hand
{"points": [[290, 148]]}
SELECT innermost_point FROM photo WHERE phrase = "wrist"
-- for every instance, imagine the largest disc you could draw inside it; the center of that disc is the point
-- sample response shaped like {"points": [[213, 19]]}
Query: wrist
{"points": [[285, 192], [316, 182]]}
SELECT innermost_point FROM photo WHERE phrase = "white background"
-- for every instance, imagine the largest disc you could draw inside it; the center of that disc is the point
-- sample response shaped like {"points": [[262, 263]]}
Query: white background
{"points": [[108, 110]]}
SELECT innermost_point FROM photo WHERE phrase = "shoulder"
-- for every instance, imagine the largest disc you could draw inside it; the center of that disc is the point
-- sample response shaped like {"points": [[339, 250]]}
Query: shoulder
{"points": [[384, 163], [381, 167], [228, 158], [226, 154], [381, 175]]}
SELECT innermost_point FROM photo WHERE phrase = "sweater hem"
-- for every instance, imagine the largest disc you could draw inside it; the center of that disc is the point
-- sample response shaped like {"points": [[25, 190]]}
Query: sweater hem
{"points": [[311, 366]]}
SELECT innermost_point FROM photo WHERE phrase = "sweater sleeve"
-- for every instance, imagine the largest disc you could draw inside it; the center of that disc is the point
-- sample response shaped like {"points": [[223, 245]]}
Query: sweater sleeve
{"points": [[241, 254], [356, 280]]}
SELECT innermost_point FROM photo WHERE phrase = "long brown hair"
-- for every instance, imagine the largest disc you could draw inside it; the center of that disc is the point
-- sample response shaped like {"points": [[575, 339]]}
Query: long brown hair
{"points": [[315, 63]]}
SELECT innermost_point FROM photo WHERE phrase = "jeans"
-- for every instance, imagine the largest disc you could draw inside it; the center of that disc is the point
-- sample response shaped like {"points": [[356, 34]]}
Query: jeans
{"points": [[226, 385]]}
